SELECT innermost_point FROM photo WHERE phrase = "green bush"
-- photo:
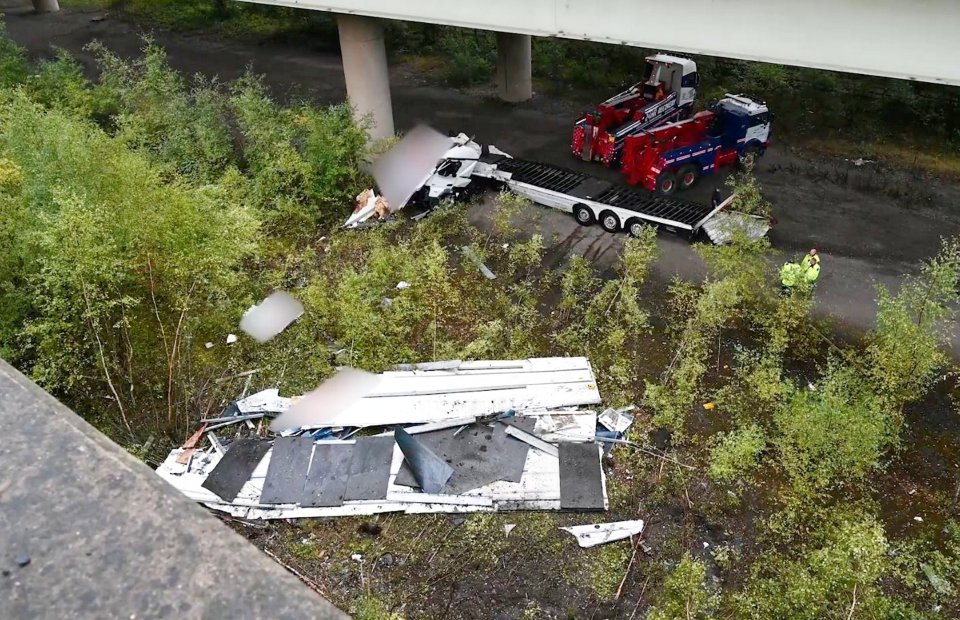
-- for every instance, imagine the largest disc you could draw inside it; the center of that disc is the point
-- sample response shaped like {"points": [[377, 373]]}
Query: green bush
{"points": [[684, 594], [60, 83], [121, 271], [13, 60], [303, 162], [906, 349], [833, 434], [184, 130], [735, 454], [835, 574]]}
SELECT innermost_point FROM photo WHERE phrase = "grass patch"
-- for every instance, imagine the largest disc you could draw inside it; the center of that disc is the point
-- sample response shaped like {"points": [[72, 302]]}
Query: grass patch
{"points": [[607, 565], [936, 159]]}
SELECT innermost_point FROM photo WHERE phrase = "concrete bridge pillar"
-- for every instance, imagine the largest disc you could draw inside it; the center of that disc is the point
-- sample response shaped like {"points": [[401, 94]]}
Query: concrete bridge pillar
{"points": [[46, 6], [365, 71], [514, 67]]}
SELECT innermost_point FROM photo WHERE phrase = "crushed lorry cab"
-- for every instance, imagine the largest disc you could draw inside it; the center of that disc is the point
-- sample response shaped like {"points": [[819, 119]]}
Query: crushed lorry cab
{"points": [[666, 94]]}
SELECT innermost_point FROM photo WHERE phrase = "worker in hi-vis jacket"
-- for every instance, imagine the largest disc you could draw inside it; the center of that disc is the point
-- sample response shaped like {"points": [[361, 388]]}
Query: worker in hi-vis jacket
{"points": [[806, 271]]}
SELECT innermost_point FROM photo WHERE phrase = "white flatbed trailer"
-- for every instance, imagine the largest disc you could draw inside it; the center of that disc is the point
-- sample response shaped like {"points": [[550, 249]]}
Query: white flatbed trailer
{"points": [[615, 207]]}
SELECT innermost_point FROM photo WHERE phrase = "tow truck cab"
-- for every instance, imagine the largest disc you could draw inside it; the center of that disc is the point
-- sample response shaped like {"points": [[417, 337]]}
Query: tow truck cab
{"points": [[742, 123]]}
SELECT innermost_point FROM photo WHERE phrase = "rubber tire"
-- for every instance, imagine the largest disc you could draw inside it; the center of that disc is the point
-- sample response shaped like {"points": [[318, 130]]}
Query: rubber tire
{"points": [[610, 222], [635, 227], [755, 151], [669, 180], [692, 172], [583, 215]]}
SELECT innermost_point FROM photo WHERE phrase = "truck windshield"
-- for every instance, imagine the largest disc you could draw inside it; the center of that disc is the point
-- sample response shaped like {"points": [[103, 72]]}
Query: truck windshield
{"points": [[647, 71]]}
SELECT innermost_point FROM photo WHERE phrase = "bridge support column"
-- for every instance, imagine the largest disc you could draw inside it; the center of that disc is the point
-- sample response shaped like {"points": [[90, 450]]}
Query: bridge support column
{"points": [[365, 71], [514, 67], [46, 6]]}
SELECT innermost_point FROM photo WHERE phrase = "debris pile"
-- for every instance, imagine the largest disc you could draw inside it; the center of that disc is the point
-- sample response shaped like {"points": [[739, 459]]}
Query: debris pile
{"points": [[453, 437]]}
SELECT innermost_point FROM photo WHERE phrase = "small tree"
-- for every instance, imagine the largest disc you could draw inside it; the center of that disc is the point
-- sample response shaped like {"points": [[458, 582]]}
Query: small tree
{"points": [[905, 350]]}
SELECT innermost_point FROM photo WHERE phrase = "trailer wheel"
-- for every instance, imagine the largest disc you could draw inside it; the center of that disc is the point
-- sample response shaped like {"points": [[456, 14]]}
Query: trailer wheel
{"points": [[609, 221], [666, 184], [583, 215], [688, 176], [636, 227]]}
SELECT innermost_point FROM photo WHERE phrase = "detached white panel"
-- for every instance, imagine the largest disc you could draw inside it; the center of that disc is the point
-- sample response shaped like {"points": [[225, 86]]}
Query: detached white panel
{"points": [[908, 39]]}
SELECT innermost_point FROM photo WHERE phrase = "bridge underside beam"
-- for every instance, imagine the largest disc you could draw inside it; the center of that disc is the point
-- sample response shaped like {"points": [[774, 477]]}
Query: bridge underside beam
{"points": [[365, 72], [890, 38]]}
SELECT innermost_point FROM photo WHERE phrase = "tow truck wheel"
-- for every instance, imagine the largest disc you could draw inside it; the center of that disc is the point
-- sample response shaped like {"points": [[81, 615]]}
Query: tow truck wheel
{"points": [[609, 222], [749, 157], [583, 214], [635, 227], [666, 184], [687, 177]]}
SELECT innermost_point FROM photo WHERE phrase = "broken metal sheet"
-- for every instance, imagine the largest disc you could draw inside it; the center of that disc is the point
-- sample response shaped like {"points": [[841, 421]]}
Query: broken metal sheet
{"points": [[446, 365], [236, 467], [326, 481], [430, 471], [559, 426], [722, 227], [539, 489], [599, 533], [287, 471], [428, 498], [472, 389], [324, 405], [615, 420], [478, 454], [435, 426], [533, 440], [472, 256], [216, 443], [265, 401], [267, 319], [581, 477], [234, 418], [369, 471]]}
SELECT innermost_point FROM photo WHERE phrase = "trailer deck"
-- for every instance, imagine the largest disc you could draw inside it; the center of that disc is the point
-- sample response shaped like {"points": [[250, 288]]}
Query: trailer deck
{"points": [[599, 194]]}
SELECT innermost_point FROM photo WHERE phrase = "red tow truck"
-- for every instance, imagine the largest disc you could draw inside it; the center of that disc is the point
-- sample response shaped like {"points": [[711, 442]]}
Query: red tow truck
{"points": [[666, 94], [675, 155]]}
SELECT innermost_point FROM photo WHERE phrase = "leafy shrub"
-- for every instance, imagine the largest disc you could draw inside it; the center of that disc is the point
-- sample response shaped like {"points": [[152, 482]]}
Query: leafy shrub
{"points": [[60, 83], [735, 454], [185, 131], [834, 434], [124, 272], [684, 594], [13, 61], [303, 162], [905, 350], [837, 572]]}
